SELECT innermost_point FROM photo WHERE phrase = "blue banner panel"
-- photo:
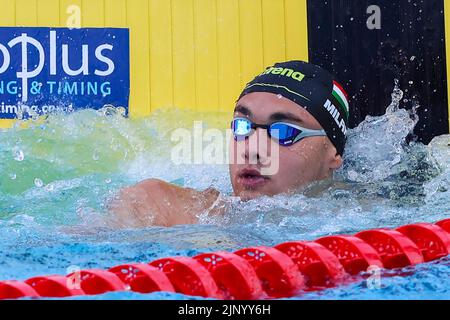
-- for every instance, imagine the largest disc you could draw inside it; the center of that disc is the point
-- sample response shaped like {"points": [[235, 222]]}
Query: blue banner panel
{"points": [[46, 69]]}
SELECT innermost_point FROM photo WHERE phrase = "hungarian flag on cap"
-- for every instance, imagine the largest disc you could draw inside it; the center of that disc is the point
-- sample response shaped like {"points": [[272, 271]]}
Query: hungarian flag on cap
{"points": [[341, 96]]}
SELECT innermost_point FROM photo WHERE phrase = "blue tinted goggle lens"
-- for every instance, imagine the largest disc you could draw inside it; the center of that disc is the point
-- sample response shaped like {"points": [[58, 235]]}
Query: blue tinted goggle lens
{"points": [[241, 127], [282, 132]]}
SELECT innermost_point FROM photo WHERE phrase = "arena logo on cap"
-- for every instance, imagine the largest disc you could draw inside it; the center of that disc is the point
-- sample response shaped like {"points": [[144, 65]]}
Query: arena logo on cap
{"points": [[285, 72], [80, 68]]}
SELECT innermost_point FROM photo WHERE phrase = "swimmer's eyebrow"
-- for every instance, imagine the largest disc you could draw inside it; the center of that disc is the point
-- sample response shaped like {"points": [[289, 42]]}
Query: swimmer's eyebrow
{"points": [[277, 116], [282, 116], [244, 110]]}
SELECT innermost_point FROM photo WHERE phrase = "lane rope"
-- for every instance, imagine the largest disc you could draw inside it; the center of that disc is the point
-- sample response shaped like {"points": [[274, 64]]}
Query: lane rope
{"points": [[285, 270]]}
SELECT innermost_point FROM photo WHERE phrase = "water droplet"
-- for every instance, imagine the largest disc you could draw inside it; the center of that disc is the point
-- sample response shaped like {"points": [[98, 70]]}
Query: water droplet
{"points": [[412, 58], [38, 182], [12, 176], [49, 187], [108, 180], [353, 175], [122, 111], [279, 96], [410, 82], [107, 111], [18, 154]]}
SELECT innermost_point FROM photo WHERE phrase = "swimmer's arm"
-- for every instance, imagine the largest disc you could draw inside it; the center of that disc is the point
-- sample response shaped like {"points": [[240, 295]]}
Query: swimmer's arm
{"points": [[154, 202]]}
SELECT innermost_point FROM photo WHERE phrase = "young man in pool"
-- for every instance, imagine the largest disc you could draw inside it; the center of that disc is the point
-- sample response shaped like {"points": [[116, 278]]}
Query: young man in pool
{"points": [[296, 104]]}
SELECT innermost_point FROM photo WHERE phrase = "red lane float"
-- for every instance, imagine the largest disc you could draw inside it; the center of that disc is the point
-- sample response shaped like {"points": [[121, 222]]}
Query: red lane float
{"points": [[353, 253], [444, 224], [320, 267], [143, 278], [189, 277], [432, 240], [54, 286], [13, 289], [257, 272], [96, 281], [277, 272], [395, 249], [233, 274]]}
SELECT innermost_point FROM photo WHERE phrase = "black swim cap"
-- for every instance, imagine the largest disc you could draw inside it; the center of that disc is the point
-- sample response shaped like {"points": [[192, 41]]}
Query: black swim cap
{"points": [[311, 87]]}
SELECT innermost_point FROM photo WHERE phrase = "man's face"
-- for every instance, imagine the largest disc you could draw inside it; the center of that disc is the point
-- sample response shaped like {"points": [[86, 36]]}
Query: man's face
{"points": [[310, 159]]}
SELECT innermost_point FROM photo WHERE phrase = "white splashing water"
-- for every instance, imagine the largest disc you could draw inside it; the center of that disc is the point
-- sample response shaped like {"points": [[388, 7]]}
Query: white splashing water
{"points": [[384, 181]]}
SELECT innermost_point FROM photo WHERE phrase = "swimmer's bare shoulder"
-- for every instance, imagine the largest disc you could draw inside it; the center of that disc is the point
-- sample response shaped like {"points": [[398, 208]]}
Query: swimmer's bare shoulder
{"points": [[154, 202]]}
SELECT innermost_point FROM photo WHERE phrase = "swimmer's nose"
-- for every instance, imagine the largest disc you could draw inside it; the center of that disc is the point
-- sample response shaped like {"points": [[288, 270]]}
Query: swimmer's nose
{"points": [[257, 147]]}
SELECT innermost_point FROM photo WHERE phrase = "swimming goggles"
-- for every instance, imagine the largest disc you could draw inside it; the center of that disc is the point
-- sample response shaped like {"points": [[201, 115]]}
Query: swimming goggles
{"points": [[284, 133]]}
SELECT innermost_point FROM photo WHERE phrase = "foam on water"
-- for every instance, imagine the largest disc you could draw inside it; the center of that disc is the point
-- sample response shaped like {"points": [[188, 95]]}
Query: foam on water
{"points": [[58, 173]]}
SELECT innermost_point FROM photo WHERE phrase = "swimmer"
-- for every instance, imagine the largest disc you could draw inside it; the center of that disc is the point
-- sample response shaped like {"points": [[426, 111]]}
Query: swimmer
{"points": [[295, 104]]}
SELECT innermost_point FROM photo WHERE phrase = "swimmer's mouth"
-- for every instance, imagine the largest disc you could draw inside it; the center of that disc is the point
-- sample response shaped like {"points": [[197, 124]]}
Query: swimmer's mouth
{"points": [[251, 178]]}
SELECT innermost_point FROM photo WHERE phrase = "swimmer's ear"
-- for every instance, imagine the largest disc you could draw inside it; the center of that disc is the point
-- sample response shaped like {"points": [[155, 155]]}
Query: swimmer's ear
{"points": [[336, 161]]}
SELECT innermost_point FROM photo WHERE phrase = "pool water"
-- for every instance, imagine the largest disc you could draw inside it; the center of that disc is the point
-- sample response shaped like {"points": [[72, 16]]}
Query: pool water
{"points": [[58, 174]]}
